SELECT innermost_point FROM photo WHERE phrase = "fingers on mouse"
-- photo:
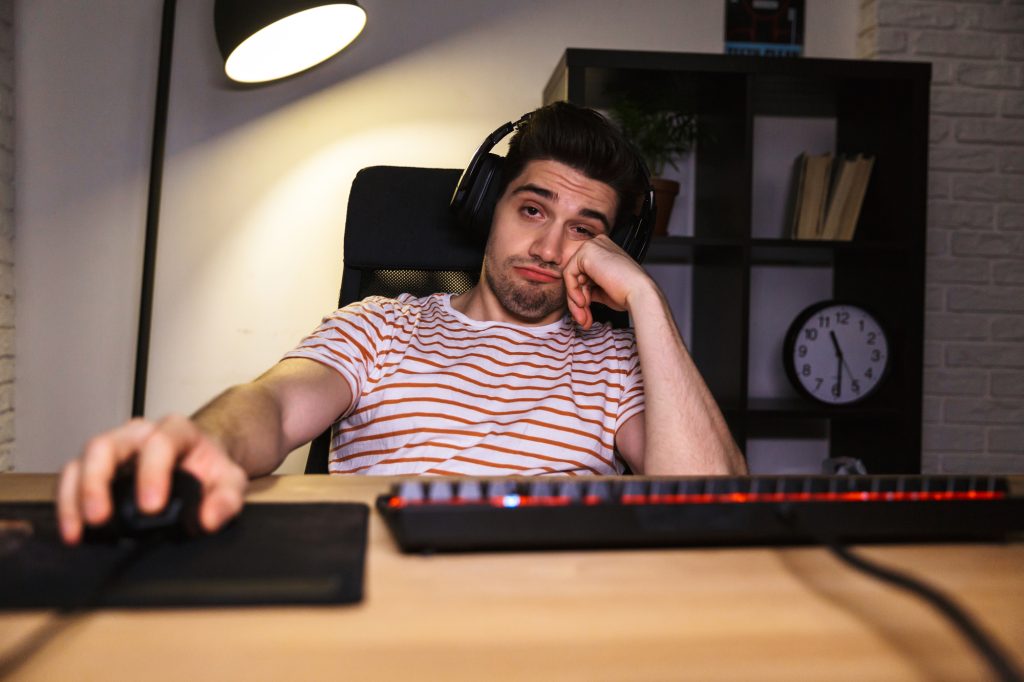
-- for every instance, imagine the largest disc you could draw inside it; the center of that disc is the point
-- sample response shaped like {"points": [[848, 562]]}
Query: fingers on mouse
{"points": [[177, 521]]}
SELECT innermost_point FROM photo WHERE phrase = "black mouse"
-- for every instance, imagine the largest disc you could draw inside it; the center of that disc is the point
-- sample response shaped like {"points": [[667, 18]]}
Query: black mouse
{"points": [[178, 520]]}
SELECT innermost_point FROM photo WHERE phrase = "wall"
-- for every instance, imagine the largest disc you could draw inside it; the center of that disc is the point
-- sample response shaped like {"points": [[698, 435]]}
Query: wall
{"points": [[6, 234], [82, 123], [256, 180], [974, 327]]}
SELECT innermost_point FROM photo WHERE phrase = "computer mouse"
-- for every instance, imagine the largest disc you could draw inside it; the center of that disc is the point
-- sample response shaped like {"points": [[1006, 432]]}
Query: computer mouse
{"points": [[178, 520]]}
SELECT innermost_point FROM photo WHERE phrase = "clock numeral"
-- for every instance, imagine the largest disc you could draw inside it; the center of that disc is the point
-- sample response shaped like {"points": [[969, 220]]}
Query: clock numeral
{"points": [[811, 334], [855, 386], [870, 373], [824, 321], [842, 318], [871, 338], [818, 383], [835, 390], [860, 323], [801, 352], [876, 355], [806, 370]]}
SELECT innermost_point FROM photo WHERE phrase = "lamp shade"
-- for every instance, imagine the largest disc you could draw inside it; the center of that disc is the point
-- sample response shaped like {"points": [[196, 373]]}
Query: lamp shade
{"points": [[263, 40]]}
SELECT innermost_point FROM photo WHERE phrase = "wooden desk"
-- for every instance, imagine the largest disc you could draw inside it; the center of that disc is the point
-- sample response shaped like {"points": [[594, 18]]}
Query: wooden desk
{"points": [[735, 614]]}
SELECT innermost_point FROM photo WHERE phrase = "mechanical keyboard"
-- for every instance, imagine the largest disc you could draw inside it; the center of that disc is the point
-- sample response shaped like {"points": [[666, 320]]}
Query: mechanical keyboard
{"points": [[469, 514]]}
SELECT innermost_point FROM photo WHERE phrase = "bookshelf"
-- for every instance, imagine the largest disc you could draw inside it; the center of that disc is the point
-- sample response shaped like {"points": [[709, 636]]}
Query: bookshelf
{"points": [[744, 278]]}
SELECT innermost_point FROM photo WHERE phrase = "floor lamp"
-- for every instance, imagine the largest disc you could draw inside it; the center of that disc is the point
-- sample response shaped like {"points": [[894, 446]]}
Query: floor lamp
{"points": [[260, 41]]}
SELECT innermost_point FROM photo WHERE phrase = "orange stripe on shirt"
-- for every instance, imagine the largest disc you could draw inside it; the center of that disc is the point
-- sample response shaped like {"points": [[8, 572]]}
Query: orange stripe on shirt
{"points": [[450, 417], [479, 446], [481, 410], [454, 389]]}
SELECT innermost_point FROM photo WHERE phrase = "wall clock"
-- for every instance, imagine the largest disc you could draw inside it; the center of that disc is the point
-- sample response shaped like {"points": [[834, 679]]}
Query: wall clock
{"points": [[836, 353]]}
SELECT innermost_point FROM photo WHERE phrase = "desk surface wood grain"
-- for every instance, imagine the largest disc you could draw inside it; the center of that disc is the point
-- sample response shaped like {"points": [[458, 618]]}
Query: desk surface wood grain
{"points": [[730, 614]]}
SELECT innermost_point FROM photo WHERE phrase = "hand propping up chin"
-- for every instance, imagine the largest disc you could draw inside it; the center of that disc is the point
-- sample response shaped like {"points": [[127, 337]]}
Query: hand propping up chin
{"points": [[601, 272]]}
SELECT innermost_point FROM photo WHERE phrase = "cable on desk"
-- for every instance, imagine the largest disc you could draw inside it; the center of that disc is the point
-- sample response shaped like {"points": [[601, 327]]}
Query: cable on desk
{"points": [[982, 643], [971, 630], [11, 661]]}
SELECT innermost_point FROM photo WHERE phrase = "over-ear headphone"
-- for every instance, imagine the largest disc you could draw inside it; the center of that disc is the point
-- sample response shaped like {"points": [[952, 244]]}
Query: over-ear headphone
{"points": [[476, 195]]}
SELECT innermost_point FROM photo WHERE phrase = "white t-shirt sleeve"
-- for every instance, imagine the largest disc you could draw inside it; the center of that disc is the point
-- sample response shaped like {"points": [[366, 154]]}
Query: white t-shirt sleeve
{"points": [[353, 340]]}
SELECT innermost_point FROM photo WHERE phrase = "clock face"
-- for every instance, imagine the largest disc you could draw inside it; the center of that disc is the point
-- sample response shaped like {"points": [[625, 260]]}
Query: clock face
{"points": [[836, 353]]}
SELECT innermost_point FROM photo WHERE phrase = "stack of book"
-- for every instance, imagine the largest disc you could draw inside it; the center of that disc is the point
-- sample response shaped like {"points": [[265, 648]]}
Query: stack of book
{"points": [[829, 195]]}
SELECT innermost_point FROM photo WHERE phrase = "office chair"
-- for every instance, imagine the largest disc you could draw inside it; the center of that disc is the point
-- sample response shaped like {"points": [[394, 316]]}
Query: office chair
{"points": [[400, 237]]}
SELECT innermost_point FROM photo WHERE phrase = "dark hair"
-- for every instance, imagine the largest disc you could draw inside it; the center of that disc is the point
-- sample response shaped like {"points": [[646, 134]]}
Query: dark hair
{"points": [[584, 140]]}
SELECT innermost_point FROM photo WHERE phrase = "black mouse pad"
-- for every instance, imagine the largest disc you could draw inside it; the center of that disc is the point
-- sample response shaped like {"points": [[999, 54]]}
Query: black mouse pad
{"points": [[271, 554]]}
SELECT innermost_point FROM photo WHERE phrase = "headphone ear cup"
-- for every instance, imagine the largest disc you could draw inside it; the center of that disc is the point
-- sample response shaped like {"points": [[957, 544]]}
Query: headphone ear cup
{"points": [[626, 236], [476, 193], [644, 228], [641, 239], [482, 196], [635, 237]]}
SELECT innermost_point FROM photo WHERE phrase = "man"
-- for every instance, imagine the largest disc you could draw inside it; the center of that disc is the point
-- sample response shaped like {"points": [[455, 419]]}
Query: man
{"points": [[497, 380]]}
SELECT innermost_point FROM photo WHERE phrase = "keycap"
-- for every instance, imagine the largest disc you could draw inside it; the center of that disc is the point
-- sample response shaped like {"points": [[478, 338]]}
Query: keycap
{"points": [[470, 490], [410, 491], [692, 487], [540, 489], [500, 488], [571, 490], [634, 491], [661, 491], [597, 492], [439, 491]]}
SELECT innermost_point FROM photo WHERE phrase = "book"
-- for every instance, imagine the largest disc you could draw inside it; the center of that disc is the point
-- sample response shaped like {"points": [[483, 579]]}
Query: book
{"points": [[858, 188], [830, 192], [813, 178], [838, 197], [849, 185]]}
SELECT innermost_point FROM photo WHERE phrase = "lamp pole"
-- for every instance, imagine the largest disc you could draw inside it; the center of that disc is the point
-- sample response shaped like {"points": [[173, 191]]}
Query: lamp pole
{"points": [[156, 173]]}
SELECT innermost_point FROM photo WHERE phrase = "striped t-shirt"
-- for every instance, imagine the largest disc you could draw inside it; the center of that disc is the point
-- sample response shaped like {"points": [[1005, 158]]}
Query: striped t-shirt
{"points": [[435, 392]]}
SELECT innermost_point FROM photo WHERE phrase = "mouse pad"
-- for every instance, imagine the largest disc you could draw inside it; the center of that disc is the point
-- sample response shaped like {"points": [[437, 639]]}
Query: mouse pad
{"points": [[271, 554]]}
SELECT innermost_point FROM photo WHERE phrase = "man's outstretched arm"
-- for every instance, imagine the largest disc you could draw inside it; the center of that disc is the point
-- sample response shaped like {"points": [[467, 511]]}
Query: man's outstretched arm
{"points": [[682, 430], [260, 422], [244, 432]]}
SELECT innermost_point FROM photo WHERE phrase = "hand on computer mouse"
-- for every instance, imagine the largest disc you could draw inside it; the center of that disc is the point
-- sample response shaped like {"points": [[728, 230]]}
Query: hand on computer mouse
{"points": [[156, 449], [178, 520]]}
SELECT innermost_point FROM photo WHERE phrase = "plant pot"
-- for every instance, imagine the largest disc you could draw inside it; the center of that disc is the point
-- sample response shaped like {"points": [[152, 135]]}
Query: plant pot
{"points": [[665, 192]]}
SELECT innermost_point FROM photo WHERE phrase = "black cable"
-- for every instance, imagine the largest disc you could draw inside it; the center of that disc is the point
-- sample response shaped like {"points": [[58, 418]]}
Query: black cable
{"points": [[972, 631], [67, 614], [11, 661]]}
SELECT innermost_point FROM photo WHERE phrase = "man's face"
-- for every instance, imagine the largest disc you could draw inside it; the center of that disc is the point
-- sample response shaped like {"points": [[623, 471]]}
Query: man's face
{"points": [[544, 216]]}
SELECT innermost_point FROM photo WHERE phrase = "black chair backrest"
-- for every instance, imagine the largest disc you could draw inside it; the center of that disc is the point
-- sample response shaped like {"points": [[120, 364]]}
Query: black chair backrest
{"points": [[401, 237]]}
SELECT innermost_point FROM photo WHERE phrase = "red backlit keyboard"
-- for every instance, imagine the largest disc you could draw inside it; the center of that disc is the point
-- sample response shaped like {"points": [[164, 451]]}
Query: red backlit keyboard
{"points": [[440, 514]]}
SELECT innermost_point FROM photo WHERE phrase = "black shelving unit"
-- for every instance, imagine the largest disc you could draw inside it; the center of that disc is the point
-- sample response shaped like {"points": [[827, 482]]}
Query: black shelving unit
{"points": [[879, 108]]}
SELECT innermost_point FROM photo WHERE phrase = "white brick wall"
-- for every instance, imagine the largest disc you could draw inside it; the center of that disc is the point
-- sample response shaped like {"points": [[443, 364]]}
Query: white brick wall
{"points": [[6, 234], [974, 326]]}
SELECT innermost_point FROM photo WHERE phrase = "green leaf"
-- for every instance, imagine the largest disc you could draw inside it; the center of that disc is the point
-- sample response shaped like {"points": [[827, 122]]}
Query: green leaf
{"points": [[660, 135]]}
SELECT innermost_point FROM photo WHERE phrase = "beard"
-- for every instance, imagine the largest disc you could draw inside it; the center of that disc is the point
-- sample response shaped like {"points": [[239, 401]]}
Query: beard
{"points": [[529, 301]]}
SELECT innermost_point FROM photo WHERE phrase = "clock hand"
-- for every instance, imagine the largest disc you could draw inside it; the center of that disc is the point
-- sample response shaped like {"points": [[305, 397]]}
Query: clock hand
{"points": [[839, 364], [835, 343], [839, 377]]}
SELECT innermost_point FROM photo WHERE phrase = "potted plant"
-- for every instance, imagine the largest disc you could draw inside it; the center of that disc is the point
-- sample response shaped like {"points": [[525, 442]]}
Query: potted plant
{"points": [[661, 136]]}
